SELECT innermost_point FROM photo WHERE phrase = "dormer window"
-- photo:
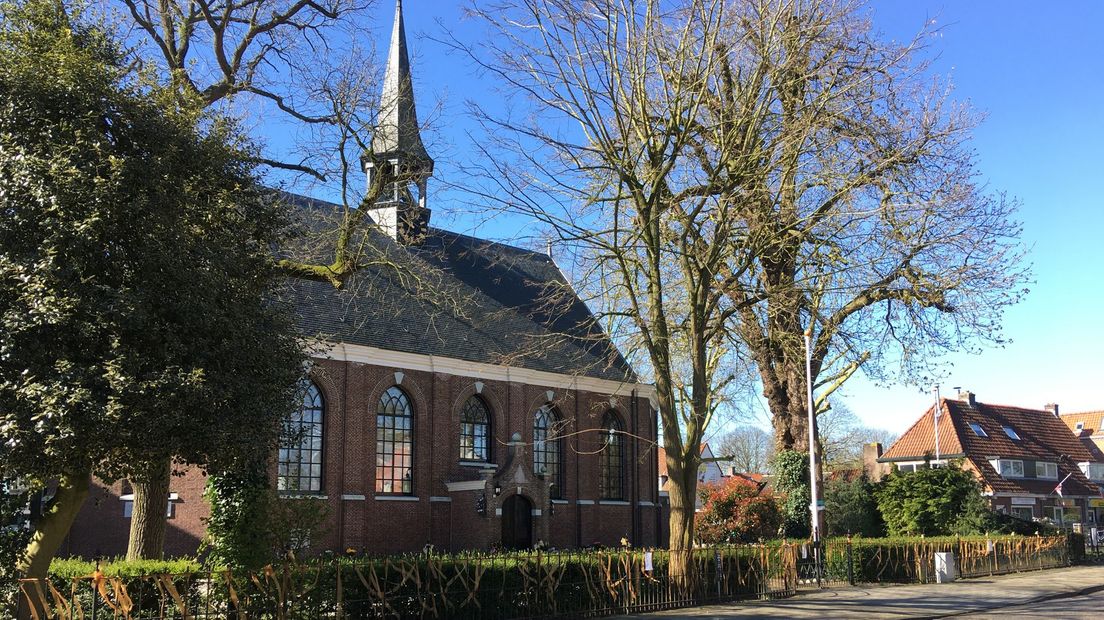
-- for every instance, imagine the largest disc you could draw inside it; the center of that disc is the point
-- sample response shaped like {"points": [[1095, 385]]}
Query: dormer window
{"points": [[1093, 471], [1008, 468], [1011, 432], [1046, 470], [978, 430], [1080, 426]]}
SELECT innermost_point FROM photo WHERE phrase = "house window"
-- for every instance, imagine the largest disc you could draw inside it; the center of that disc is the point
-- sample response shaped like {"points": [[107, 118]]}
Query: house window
{"points": [[1027, 513], [128, 505], [475, 431], [1008, 468], [395, 444], [1046, 470], [611, 477], [547, 448], [1054, 513], [1011, 432], [906, 468], [1093, 471], [299, 466], [1080, 426], [978, 430]]}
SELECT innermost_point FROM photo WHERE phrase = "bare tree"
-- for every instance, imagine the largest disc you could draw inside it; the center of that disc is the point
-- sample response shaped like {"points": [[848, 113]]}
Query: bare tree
{"points": [[874, 232], [747, 448], [842, 435], [727, 174], [624, 161]]}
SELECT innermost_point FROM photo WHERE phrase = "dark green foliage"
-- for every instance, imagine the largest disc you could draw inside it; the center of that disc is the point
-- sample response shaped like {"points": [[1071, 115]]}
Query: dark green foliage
{"points": [[933, 502], [850, 508], [791, 480], [137, 320], [251, 525]]}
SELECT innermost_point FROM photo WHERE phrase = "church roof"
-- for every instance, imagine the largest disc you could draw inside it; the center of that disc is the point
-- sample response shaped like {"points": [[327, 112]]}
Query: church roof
{"points": [[453, 296], [397, 132]]}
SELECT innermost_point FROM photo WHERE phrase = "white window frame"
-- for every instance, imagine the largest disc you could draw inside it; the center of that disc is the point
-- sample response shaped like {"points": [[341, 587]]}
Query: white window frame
{"points": [[1047, 468], [1004, 465], [1092, 471], [128, 505], [1017, 511], [978, 430], [1055, 513], [1011, 432]]}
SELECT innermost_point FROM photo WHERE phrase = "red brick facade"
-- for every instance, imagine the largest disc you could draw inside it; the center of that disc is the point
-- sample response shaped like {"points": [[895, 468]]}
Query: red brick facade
{"points": [[434, 514]]}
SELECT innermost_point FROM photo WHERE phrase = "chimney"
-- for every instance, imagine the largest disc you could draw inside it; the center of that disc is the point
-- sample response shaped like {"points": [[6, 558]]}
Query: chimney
{"points": [[967, 397], [1052, 408], [870, 455]]}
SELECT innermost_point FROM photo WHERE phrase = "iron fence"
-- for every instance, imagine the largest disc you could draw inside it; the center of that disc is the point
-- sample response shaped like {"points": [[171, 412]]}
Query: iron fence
{"points": [[525, 585]]}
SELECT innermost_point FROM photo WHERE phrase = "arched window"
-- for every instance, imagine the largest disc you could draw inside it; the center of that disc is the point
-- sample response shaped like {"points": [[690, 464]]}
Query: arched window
{"points": [[395, 444], [475, 430], [611, 478], [547, 449], [299, 465]]}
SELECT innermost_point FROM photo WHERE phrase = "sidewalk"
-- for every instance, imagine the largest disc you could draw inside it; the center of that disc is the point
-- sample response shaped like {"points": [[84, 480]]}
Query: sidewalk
{"points": [[913, 601]]}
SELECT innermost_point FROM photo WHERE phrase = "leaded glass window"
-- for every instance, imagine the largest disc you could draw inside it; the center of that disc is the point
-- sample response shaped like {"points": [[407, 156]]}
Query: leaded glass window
{"points": [[547, 449], [395, 444], [475, 430], [611, 480], [299, 463]]}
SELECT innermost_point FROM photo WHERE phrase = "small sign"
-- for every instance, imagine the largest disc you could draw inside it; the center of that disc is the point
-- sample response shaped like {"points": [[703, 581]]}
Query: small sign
{"points": [[1096, 503], [820, 504], [648, 561], [1023, 501]]}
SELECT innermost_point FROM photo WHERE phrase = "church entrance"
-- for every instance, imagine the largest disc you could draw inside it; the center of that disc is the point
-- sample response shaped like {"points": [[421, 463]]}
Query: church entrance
{"points": [[517, 523]]}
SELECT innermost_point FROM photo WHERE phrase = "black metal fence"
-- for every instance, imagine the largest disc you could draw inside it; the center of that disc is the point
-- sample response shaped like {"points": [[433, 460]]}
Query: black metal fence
{"points": [[526, 585]]}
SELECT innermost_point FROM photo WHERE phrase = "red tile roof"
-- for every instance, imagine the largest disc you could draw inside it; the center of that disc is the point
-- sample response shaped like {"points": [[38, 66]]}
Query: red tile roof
{"points": [[1042, 437], [920, 439], [1091, 433]]}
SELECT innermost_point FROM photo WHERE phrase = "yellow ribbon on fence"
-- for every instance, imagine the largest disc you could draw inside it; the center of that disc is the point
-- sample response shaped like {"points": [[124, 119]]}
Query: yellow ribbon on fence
{"points": [[170, 587]]}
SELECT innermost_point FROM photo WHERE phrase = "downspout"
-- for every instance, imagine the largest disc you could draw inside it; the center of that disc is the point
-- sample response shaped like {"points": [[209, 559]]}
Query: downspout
{"points": [[578, 489], [344, 438], [634, 497]]}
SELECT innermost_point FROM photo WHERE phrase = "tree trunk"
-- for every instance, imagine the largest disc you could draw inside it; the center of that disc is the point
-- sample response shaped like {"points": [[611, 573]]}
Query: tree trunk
{"points": [[682, 489], [148, 519], [72, 490]]}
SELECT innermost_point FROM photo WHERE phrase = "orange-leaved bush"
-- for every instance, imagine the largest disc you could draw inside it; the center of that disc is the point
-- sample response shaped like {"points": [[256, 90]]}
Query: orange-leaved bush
{"points": [[737, 510]]}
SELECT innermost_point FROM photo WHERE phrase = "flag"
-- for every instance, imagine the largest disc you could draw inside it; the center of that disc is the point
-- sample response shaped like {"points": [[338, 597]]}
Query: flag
{"points": [[1058, 489]]}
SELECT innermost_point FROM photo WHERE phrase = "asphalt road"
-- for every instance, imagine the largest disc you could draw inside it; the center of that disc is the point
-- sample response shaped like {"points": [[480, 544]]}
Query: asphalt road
{"points": [[1087, 606], [1076, 592]]}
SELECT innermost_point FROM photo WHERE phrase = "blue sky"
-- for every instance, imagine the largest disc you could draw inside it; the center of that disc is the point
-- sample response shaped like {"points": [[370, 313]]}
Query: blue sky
{"points": [[1038, 74]]}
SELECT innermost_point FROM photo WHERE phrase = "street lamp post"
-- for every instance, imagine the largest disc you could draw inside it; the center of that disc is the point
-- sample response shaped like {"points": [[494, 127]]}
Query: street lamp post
{"points": [[814, 509]]}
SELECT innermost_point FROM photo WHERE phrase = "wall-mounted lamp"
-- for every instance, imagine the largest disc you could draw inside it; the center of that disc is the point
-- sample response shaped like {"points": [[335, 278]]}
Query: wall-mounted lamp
{"points": [[497, 490]]}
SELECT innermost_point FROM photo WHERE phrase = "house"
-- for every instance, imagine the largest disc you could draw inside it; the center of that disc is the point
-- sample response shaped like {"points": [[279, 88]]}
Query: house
{"points": [[709, 472], [1089, 428], [1028, 462], [461, 394]]}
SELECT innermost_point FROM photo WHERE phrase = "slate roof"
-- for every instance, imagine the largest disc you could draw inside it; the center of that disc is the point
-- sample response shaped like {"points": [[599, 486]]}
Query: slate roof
{"points": [[452, 296], [1043, 437]]}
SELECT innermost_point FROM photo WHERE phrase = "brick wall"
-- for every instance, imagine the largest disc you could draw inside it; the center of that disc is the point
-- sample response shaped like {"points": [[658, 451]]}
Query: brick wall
{"points": [[357, 518]]}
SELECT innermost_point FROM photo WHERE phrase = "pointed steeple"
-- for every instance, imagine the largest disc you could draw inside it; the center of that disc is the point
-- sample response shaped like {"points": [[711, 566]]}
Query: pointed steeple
{"points": [[397, 143], [397, 134]]}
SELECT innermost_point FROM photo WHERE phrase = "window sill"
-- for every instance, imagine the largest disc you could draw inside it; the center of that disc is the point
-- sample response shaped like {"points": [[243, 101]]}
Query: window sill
{"points": [[479, 464], [397, 498], [613, 502], [560, 501], [294, 495]]}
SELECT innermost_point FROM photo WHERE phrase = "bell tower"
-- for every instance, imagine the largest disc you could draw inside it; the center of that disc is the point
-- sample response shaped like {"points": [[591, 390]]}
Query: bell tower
{"points": [[397, 144]]}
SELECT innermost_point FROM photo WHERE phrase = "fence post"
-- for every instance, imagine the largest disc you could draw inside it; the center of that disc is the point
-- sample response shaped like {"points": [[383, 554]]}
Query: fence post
{"points": [[850, 563], [717, 577]]}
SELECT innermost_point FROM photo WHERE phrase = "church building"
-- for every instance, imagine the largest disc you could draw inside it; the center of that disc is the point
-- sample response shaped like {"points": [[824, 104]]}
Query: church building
{"points": [[460, 394]]}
